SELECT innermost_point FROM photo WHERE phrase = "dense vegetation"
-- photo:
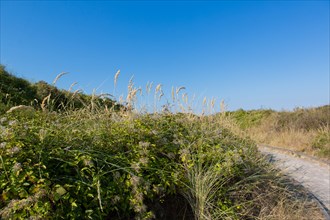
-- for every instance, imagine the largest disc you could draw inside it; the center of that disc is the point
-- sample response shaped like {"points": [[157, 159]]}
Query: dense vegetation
{"points": [[17, 91], [94, 162], [304, 129]]}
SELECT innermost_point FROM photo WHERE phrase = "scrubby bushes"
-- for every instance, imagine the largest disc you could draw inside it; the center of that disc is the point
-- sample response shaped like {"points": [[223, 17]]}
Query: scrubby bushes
{"points": [[17, 91], [247, 119], [321, 143], [304, 129], [84, 165], [96, 162], [80, 166], [14, 90], [304, 119]]}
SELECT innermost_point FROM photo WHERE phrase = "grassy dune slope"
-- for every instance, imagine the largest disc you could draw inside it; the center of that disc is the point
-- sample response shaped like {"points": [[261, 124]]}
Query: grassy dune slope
{"points": [[17, 91], [306, 130], [94, 162]]}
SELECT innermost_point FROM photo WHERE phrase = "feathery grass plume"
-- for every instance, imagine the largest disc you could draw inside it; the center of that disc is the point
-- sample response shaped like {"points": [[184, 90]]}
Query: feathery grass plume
{"points": [[157, 96], [43, 103], [182, 108], [104, 95], [71, 86], [193, 100], [59, 76], [212, 103], [131, 97], [180, 88], [92, 100], [75, 92], [131, 80], [161, 95], [204, 101], [116, 77], [130, 86], [222, 106], [185, 98], [140, 90], [148, 87], [158, 88], [173, 96], [121, 99]]}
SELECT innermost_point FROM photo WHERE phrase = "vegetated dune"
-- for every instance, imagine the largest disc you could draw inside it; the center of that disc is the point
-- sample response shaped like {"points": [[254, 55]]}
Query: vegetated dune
{"points": [[105, 163], [16, 91], [304, 129]]}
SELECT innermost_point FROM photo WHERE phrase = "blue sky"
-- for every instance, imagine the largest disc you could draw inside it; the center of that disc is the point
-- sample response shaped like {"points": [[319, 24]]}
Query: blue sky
{"points": [[252, 54]]}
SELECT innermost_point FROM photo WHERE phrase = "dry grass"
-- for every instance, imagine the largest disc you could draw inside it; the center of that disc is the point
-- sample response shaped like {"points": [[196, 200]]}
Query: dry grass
{"points": [[290, 210], [297, 140], [293, 139], [303, 130]]}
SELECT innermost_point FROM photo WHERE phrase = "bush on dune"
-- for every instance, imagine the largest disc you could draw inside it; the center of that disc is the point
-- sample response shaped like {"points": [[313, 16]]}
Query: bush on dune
{"points": [[95, 162]]}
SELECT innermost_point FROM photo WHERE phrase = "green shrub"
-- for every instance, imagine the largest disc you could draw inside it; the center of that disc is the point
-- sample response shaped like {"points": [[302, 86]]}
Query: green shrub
{"points": [[14, 90], [322, 143], [303, 119], [17, 91], [80, 165], [247, 119]]}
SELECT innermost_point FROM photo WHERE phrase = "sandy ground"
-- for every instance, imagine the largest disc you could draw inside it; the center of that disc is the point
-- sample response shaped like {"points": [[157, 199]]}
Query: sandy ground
{"points": [[311, 173]]}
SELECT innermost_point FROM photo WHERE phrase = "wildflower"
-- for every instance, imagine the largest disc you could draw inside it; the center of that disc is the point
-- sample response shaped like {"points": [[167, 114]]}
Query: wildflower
{"points": [[143, 160], [4, 132], [136, 167], [42, 134], [12, 123], [144, 144], [3, 120], [3, 145], [135, 180], [17, 167], [13, 150]]}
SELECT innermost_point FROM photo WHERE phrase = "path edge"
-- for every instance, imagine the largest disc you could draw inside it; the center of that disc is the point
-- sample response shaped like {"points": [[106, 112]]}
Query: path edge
{"points": [[324, 210]]}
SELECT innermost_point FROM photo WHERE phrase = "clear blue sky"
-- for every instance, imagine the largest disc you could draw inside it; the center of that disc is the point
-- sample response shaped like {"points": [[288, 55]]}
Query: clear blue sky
{"points": [[252, 54]]}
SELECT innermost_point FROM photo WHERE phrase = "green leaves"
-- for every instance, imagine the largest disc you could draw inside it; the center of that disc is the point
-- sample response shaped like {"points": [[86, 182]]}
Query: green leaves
{"points": [[95, 167]]}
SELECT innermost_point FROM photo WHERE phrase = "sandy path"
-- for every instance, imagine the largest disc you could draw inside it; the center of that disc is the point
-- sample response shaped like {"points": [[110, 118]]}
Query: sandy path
{"points": [[312, 174]]}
